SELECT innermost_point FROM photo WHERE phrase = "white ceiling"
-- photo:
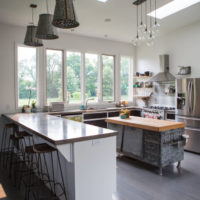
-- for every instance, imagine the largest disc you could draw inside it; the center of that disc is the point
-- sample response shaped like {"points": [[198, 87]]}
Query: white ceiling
{"points": [[91, 15]]}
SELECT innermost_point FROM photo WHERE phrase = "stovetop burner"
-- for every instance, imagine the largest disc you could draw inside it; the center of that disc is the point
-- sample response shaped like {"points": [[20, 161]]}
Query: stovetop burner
{"points": [[160, 107]]}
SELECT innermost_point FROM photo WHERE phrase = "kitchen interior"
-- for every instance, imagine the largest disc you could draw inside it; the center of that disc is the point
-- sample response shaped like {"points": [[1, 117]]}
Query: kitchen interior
{"points": [[99, 99]]}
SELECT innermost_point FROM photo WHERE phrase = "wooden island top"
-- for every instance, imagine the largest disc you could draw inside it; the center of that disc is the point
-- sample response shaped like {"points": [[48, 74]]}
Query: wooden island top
{"points": [[146, 123]]}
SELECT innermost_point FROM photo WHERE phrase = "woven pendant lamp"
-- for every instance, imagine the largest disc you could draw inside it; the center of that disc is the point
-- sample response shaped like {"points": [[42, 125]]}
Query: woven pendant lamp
{"points": [[30, 37], [46, 30], [64, 15]]}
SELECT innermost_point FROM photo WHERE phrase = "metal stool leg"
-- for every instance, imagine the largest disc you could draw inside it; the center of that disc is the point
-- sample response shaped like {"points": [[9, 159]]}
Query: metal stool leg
{"points": [[2, 142], [59, 163], [45, 161]]}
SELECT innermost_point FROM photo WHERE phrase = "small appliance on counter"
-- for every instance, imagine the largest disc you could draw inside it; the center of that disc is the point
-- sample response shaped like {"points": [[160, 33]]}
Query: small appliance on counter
{"points": [[57, 107]]}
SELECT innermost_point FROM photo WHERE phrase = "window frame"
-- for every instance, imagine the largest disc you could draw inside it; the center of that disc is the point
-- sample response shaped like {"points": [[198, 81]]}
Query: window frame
{"points": [[130, 87], [63, 75], [16, 87], [114, 78]]}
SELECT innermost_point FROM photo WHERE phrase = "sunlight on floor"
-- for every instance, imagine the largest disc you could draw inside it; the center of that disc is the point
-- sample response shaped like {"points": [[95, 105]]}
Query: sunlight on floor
{"points": [[2, 192]]}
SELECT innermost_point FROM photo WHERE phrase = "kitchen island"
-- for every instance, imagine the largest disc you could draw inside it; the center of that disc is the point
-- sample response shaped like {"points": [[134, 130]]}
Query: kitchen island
{"points": [[88, 153], [157, 142]]}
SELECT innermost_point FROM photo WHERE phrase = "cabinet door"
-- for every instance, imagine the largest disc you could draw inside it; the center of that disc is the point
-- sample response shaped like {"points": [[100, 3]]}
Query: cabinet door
{"points": [[133, 141], [119, 129]]}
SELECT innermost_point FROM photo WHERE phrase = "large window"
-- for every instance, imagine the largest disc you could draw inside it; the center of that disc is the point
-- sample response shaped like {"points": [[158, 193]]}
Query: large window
{"points": [[108, 78], [54, 61], [91, 77], [73, 79], [125, 77], [27, 75]]}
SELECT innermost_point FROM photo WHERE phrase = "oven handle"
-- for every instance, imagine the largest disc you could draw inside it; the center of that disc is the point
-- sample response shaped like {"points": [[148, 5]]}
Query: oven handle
{"points": [[188, 118]]}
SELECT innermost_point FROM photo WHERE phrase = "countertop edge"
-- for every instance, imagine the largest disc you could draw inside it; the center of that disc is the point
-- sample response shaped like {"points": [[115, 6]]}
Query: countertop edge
{"points": [[66, 141], [146, 127]]}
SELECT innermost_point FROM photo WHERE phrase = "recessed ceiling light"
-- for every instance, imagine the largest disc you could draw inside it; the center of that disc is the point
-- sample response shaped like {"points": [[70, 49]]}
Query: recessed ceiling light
{"points": [[104, 1], [107, 20], [172, 7]]}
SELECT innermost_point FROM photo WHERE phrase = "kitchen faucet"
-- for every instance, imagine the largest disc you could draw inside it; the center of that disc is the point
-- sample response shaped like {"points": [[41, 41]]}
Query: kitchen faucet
{"points": [[86, 105]]}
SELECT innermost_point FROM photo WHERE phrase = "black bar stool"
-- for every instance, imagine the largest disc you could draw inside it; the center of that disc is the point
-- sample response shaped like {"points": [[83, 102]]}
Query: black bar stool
{"points": [[6, 149], [36, 153], [17, 155]]}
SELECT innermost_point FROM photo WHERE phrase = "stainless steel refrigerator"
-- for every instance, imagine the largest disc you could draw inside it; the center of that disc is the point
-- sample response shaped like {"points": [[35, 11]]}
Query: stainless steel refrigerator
{"points": [[188, 110]]}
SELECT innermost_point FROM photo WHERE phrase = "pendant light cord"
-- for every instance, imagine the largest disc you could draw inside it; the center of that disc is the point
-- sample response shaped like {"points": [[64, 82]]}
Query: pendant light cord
{"points": [[155, 12], [151, 17], [146, 13], [32, 16], [47, 6], [137, 20], [141, 15]]}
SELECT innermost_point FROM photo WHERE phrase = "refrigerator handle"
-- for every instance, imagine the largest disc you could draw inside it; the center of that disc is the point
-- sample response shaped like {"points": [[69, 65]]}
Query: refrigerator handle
{"points": [[192, 97], [189, 97]]}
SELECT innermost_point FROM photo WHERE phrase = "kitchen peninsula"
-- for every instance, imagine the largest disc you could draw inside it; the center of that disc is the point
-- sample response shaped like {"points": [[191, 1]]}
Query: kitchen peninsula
{"points": [[157, 142], [88, 153]]}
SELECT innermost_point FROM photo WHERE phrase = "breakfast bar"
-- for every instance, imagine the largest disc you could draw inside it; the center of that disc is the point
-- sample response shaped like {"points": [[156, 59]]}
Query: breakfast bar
{"points": [[87, 153], [156, 142]]}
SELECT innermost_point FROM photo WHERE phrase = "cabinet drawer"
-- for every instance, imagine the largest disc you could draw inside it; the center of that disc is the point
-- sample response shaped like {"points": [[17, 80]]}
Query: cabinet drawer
{"points": [[95, 115], [113, 114]]}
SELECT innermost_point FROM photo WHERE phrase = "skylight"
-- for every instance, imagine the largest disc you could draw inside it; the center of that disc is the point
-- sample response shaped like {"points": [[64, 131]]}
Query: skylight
{"points": [[172, 7], [104, 1]]}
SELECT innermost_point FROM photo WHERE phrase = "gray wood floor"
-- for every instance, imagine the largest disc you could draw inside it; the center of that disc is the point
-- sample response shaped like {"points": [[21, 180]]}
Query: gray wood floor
{"points": [[138, 181]]}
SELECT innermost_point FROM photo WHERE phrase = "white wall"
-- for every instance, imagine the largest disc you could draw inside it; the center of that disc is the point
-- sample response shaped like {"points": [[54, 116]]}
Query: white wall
{"points": [[183, 46], [11, 35]]}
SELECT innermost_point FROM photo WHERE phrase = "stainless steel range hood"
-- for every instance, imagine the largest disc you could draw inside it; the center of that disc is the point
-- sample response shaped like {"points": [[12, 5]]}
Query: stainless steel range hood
{"points": [[164, 75]]}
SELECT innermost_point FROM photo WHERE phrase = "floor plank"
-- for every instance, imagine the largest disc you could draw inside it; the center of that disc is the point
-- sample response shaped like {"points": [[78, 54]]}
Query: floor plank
{"points": [[139, 181]]}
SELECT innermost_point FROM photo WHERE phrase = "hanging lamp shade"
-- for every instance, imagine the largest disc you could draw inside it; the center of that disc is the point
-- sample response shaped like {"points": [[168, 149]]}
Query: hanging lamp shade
{"points": [[30, 39], [64, 15], [46, 30]]}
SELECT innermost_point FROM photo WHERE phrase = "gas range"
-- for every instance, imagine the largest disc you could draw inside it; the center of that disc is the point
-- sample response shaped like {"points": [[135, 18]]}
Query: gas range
{"points": [[160, 107], [156, 111]]}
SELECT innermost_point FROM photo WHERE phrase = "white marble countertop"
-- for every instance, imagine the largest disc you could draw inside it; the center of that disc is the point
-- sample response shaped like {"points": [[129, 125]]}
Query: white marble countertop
{"points": [[58, 130]]}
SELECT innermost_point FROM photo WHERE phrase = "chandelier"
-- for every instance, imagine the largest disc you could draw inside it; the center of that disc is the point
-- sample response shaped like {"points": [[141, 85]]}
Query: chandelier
{"points": [[147, 29]]}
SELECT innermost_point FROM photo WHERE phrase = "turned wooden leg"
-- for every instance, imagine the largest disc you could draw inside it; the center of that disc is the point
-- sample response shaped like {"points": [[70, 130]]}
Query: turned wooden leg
{"points": [[179, 164]]}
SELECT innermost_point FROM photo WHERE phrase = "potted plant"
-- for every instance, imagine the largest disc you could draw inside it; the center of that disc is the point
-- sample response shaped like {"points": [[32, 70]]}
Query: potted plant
{"points": [[27, 108], [124, 114], [33, 106]]}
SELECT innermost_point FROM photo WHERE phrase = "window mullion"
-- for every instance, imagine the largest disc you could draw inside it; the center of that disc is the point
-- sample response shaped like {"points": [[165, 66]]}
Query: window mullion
{"points": [[64, 77], [82, 71], [100, 79]]}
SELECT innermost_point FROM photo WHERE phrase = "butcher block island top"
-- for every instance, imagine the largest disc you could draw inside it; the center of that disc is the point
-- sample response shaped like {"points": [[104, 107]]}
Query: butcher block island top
{"points": [[58, 130], [146, 123]]}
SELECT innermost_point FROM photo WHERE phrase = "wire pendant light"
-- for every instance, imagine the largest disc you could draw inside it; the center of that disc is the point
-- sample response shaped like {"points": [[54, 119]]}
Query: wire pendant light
{"points": [[64, 15], [46, 30], [146, 31], [30, 37]]}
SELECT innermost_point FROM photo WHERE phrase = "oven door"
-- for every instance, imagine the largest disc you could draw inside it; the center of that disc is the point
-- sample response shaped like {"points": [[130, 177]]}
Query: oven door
{"points": [[170, 115]]}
